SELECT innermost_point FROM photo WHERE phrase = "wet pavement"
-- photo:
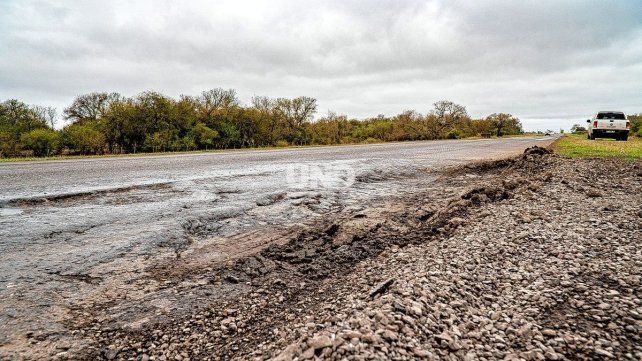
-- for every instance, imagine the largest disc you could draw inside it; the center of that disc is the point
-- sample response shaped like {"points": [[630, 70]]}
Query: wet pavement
{"points": [[85, 229]]}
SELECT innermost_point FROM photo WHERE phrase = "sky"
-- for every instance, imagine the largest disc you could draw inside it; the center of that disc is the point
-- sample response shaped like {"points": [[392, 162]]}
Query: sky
{"points": [[551, 63]]}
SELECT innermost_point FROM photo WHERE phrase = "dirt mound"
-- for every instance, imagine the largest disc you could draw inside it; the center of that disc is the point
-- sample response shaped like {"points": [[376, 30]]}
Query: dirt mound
{"points": [[534, 159], [316, 255], [536, 150]]}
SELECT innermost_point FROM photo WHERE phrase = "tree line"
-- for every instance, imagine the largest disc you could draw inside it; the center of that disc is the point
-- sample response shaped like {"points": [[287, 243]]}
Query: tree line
{"points": [[109, 123]]}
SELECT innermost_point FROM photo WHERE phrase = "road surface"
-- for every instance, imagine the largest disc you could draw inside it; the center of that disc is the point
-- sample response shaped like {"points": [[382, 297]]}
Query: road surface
{"points": [[90, 229]]}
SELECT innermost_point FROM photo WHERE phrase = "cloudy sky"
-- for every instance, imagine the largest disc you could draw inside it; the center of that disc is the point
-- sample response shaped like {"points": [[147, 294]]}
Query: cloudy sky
{"points": [[551, 63]]}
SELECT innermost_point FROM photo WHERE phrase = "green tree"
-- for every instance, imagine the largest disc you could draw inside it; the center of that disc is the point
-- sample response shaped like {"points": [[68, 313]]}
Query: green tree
{"points": [[204, 136], [43, 142], [159, 141], [116, 124], [230, 135], [18, 118], [294, 113], [185, 143], [8, 144], [636, 123], [444, 116], [83, 139], [504, 124]]}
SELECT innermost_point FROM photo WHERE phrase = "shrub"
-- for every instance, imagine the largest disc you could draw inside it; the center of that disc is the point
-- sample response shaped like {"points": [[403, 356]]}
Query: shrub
{"points": [[453, 134], [42, 142], [83, 139], [205, 136]]}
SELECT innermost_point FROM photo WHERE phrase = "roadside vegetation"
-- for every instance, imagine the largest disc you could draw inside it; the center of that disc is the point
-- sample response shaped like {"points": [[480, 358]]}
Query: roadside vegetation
{"points": [[578, 146], [109, 123]]}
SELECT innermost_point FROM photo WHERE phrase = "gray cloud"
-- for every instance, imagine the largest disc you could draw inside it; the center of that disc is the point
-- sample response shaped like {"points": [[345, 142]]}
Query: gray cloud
{"points": [[556, 60]]}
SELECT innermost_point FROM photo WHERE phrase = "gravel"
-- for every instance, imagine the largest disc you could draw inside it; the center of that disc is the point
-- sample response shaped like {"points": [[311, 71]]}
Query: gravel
{"points": [[547, 274]]}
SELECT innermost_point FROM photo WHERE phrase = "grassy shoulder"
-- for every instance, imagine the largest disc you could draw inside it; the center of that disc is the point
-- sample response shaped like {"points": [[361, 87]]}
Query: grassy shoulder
{"points": [[578, 146]]}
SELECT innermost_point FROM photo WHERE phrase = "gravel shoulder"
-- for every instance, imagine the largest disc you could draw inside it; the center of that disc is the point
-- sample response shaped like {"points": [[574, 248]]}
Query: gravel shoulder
{"points": [[551, 272]]}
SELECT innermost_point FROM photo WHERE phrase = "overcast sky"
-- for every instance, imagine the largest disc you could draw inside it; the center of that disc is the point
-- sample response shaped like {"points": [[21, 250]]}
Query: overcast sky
{"points": [[551, 63]]}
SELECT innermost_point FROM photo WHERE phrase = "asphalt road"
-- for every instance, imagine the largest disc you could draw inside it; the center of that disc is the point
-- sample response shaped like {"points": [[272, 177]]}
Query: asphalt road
{"points": [[77, 229]]}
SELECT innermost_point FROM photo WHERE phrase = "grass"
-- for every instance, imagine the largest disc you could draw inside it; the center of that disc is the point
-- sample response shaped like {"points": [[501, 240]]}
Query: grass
{"points": [[577, 146]]}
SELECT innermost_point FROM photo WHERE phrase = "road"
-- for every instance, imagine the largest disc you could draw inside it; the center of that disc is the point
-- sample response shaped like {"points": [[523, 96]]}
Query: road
{"points": [[79, 230]]}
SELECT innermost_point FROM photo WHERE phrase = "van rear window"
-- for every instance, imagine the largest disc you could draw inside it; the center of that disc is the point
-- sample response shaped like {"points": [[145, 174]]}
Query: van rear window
{"points": [[610, 116]]}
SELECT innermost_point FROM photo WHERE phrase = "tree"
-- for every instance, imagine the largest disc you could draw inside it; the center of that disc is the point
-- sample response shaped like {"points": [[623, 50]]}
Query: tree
{"points": [[504, 124], [267, 117], [477, 127], [204, 135], [210, 102], [444, 116], [331, 129], [9, 145], [43, 142], [83, 139], [230, 135], [47, 114], [19, 117], [16, 119], [636, 123], [115, 124], [185, 143], [295, 113], [154, 122], [90, 106], [446, 109], [159, 141]]}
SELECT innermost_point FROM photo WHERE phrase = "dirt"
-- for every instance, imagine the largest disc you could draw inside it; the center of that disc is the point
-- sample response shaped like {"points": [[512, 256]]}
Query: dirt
{"points": [[354, 283]]}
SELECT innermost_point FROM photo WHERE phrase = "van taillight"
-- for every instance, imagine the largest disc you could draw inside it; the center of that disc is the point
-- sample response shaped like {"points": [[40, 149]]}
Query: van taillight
{"points": [[628, 125], [595, 124]]}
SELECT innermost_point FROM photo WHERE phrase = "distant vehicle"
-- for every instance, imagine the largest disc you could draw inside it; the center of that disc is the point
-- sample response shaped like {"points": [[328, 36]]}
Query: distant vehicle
{"points": [[609, 124], [548, 134]]}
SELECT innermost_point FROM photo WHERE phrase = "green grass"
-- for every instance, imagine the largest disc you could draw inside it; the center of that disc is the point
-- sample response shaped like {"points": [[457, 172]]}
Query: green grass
{"points": [[577, 146]]}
